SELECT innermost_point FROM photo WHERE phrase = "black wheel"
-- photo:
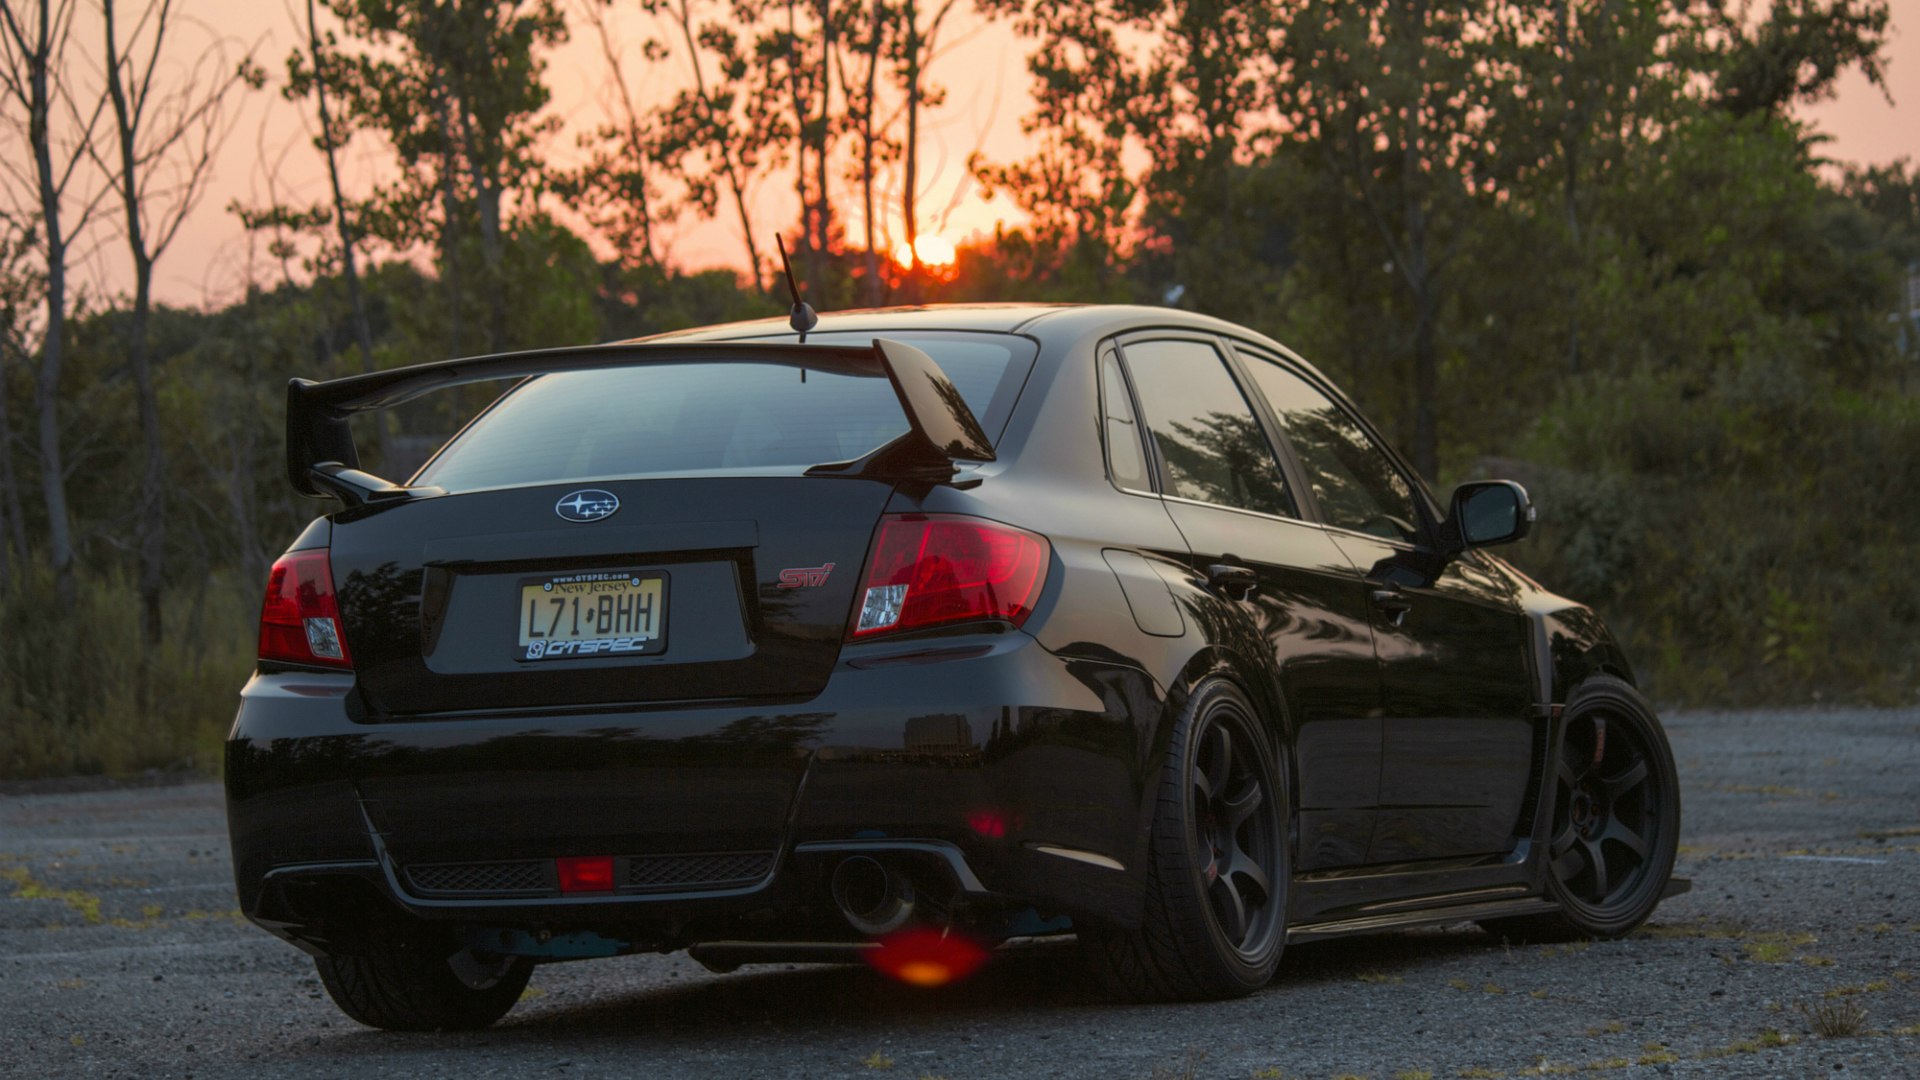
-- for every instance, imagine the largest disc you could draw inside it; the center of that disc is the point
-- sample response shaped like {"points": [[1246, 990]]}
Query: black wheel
{"points": [[415, 985], [1215, 918], [1616, 817]]}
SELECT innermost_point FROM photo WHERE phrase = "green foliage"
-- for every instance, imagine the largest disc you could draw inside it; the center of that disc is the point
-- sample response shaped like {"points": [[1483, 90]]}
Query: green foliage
{"points": [[1750, 539], [82, 692], [1581, 244]]}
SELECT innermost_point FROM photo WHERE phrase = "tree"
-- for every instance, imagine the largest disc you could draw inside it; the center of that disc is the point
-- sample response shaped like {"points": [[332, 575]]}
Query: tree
{"points": [[457, 89], [167, 138], [1076, 187], [1797, 52], [615, 189], [916, 48], [712, 133], [20, 289], [1395, 100], [1599, 78], [36, 74], [792, 79], [313, 71], [865, 36]]}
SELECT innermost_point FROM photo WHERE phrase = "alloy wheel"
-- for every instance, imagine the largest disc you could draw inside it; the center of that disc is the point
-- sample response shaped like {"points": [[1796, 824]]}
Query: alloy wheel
{"points": [[1607, 811], [1236, 839]]}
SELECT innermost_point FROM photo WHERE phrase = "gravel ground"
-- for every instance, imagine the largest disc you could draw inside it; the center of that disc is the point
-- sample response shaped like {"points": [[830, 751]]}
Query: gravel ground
{"points": [[121, 953]]}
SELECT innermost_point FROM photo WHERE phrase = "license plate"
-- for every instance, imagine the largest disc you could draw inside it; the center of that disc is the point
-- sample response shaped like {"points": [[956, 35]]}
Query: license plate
{"points": [[602, 613]]}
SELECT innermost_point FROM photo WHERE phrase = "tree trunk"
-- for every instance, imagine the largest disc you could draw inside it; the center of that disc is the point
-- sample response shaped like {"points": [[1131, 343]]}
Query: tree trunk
{"points": [[13, 537], [823, 208], [16, 530], [151, 528], [1571, 139], [349, 255], [873, 293], [802, 112], [483, 169], [449, 224], [46, 390], [683, 16], [912, 149]]}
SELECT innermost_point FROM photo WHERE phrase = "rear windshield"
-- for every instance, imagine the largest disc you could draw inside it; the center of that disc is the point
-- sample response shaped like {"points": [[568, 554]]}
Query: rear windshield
{"points": [[712, 417]]}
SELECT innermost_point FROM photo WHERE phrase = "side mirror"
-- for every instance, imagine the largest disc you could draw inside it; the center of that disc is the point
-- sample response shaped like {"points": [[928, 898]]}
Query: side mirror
{"points": [[1488, 512]]}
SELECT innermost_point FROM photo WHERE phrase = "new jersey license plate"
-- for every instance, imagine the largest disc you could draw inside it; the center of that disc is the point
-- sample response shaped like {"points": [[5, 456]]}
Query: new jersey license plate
{"points": [[600, 613]]}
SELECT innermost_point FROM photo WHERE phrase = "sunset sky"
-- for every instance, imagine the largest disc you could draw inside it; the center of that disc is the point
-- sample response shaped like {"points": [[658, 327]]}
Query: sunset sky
{"points": [[982, 69]]}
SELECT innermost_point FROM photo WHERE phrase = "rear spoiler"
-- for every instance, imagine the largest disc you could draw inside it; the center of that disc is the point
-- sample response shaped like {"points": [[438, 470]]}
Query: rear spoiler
{"points": [[322, 460]]}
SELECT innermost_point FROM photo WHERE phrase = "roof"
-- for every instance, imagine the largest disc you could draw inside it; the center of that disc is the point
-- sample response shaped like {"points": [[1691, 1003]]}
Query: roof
{"points": [[1048, 321], [1001, 318]]}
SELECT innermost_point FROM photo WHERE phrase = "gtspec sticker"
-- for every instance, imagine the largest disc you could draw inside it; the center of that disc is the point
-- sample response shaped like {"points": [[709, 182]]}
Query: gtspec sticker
{"points": [[805, 576], [550, 650]]}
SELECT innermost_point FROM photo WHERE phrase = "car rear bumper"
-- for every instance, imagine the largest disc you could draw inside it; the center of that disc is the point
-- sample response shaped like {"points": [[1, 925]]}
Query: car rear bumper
{"points": [[1004, 774]]}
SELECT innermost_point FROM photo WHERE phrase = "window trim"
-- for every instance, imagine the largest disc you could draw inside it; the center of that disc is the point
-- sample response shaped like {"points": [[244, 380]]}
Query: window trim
{"points": [[1107, 350], [1248, 354], [1256, 405]]}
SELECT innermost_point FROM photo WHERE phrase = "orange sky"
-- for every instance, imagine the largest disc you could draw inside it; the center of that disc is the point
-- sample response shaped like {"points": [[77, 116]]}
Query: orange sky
{"points": [[987, 85]]}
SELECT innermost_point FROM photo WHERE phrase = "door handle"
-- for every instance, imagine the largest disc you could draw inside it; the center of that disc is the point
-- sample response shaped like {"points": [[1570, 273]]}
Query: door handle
{"points": [[1394, 603], [1234, 581]]}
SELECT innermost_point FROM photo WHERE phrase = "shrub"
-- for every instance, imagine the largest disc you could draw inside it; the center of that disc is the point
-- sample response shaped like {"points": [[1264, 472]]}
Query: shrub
{"points": [[82, 692]]}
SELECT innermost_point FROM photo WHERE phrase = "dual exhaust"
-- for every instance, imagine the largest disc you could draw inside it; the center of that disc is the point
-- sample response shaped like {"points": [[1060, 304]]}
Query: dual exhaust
{"points": [[874, 898]]}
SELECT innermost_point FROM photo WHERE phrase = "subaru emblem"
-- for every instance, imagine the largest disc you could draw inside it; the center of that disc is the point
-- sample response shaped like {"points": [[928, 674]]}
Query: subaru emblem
{"points": [[589, 505]]}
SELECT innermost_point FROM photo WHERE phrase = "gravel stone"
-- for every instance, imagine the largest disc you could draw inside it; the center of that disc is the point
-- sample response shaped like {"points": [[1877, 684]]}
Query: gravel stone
{"points": [[121, 953]]}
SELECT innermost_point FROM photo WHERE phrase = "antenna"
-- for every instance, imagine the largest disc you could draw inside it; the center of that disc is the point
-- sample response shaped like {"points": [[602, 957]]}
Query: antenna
{"points": [[802, 318]]}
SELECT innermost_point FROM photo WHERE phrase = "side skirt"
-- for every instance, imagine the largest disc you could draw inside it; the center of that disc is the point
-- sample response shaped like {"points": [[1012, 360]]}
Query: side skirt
{"points": [[1407, 920], [1442, 915]]}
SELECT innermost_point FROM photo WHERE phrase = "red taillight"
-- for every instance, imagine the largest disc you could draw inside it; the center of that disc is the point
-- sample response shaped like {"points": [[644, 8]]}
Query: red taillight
{"points": [[927, 570], [300, 621]]}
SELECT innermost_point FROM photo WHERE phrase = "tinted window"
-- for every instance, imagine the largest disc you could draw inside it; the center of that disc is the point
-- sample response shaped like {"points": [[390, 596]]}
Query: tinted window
{"points": [[679, 418], [1126, 457], [1213, 448], [1354, 482]]}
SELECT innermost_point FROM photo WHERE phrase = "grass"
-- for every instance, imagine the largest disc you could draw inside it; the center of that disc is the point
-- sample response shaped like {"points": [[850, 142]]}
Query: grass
{"points": [[82, 692], [28, 887], [1611, 1027], [1839, 1018]]}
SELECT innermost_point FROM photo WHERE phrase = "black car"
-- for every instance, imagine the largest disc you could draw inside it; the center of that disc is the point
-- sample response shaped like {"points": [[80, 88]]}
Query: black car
{"points": [[942, 627]]}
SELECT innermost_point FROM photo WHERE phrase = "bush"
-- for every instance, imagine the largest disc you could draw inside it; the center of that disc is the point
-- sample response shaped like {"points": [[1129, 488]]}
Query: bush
{"points": [[1749, 536], [81, 692]]}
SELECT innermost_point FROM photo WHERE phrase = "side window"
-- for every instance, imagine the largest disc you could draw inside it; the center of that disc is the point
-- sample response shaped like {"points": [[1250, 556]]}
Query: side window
{"points": [[1353, 480], [1204, 429], [1126, 456]]}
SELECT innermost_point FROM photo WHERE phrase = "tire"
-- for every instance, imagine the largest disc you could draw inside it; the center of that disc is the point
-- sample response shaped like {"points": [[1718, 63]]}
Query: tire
{"points": [[1616, 818], [1217, 867], [417, 986]]}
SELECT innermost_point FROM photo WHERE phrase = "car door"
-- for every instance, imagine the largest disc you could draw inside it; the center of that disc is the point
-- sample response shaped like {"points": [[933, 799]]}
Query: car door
{"points": [[1223, 485], [1459, 730]]}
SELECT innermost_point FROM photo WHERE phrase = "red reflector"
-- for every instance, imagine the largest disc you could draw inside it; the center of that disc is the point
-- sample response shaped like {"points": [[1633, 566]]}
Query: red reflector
{"points": [[300, 619], [991, 824], [586, 873], [926, 570], [925, 957]]}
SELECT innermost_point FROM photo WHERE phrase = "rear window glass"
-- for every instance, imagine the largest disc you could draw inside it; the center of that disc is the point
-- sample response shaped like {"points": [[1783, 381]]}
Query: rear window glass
{"points": [[709, 417]]}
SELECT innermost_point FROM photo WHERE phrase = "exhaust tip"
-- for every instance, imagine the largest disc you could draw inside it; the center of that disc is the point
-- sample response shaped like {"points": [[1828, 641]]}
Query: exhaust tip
{"points": [[874, 899]]}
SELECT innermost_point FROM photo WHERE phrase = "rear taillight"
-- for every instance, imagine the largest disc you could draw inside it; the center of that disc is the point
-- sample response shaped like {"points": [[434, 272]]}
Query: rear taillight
{"points": [[300, 621], [930, 570]]}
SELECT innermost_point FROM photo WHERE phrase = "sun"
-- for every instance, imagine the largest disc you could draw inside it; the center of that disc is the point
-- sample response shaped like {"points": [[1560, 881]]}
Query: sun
{"points": [[935, 251]]}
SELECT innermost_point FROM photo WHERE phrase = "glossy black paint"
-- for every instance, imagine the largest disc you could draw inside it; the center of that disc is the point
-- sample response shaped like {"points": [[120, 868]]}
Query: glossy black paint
{"points": [[1414, 728]]}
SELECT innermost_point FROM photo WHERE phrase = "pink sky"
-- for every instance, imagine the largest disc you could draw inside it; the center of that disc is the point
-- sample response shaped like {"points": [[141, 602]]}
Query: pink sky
{"points": [[987, 85]]}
